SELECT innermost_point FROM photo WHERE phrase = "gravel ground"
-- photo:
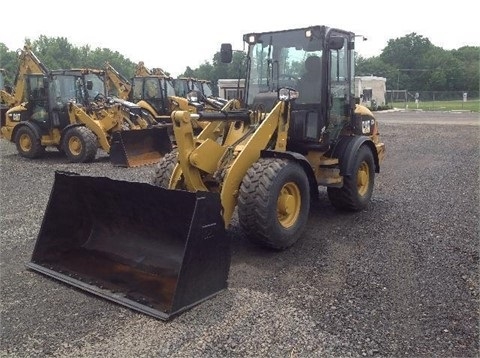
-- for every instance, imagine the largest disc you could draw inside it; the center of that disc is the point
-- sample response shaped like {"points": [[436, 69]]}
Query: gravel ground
{"points": [[397, 279]]}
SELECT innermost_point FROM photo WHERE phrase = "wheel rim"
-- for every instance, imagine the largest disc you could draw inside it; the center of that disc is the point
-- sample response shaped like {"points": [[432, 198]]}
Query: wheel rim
{"points": [[25, 142], [363, 178], [288, 204], [75, 145]]}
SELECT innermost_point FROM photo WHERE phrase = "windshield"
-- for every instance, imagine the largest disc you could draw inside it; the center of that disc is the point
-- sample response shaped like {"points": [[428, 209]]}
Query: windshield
{"points": [[170, 88], [98, 85], [69, 87], [207, 90], [65, 89], [197, 86], [279, 59], [181, 87], [151, 88]]}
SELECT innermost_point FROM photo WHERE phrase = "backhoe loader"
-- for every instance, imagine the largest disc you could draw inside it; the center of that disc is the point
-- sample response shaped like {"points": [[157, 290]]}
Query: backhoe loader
{"points": [[69, 110], [29, 64], [5, 94], [163, 248], [116, 84]]}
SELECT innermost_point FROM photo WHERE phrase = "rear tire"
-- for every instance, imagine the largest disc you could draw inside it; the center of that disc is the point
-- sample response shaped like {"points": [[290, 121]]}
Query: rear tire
{"points": [[80, 145], [357, 189], [164, 169], [274, 202], [28, 143]]}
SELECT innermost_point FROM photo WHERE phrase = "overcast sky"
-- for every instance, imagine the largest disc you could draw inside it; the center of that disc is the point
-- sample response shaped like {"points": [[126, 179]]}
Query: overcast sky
{"points": [[176, 34]]}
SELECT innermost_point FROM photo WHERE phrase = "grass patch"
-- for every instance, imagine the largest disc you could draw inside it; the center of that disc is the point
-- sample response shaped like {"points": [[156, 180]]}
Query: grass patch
{"points": [[472, 105]]}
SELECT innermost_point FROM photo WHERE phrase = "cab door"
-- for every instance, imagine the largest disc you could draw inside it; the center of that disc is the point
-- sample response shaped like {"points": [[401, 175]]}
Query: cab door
{"points": [[38, 110], [340, 79]]}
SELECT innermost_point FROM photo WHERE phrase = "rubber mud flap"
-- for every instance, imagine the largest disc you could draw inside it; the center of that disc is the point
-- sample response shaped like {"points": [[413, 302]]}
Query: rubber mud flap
{"points": [[153, 250], [138, 147]]}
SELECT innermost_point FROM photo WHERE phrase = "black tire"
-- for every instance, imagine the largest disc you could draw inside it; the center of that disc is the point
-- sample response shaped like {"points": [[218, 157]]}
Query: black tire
{"points": [[274, 202], [28, 143], [357, 190], [164, 169], [80, 144]]}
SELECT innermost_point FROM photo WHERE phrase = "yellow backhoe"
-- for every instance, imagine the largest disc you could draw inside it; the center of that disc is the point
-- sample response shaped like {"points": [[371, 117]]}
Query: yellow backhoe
{"points": [[69, 110], [162, 248]]}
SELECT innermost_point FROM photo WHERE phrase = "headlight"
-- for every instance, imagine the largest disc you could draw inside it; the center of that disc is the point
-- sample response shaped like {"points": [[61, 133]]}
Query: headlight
{"points": [[287, 94]]}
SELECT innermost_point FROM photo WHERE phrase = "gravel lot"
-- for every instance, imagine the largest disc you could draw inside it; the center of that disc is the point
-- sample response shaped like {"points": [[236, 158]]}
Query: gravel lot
{"points": [[398, 279]]}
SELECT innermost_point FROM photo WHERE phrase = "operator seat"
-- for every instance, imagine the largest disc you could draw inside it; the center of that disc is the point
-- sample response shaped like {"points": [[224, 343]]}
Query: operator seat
{"points": [[309, 84]]}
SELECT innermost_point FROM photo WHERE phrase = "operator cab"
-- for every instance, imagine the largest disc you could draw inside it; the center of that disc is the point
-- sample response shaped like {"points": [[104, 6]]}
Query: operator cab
{"points": [[154, 90], [312, 68]]}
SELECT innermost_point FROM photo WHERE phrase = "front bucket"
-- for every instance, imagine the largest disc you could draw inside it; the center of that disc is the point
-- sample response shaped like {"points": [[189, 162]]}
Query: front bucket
{"points": [[153, 250], [137, 147]]}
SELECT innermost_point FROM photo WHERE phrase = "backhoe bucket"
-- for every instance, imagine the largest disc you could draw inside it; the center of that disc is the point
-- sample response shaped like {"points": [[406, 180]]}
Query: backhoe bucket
{"points": [[137, 147], [153, 250]]}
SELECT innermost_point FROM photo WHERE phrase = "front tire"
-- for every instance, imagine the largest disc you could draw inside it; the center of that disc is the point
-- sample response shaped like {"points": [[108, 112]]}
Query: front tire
{"points": [[80, 145], [274, 202], [164, 169], [28, 143], [357, 189]]}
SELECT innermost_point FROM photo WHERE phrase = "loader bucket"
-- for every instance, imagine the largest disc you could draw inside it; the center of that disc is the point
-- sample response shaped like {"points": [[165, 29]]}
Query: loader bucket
{"points": [[153, 250], [137, 147]]}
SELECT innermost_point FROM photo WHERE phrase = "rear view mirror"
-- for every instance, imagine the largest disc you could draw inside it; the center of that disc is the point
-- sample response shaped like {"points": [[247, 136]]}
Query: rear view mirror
{"points": [[226, 53], [336, 43]]}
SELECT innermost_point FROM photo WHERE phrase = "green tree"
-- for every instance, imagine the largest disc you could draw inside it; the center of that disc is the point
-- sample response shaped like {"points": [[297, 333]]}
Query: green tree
{"points": [[56, 52], [406, 52], [216, 70], [443, 71], [8, 61], [407, 55], [469, 69], [375, 66]]}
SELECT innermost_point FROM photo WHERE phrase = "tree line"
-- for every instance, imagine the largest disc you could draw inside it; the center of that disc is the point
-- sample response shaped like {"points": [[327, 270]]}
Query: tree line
{"points": [[411, 62]]}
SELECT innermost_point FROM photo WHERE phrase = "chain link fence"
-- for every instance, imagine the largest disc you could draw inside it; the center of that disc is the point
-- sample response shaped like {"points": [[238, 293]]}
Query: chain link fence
{"points": [[433, 100]]}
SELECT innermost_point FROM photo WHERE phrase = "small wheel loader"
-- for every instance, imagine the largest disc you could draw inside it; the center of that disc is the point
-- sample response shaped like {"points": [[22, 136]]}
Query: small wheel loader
{"points": [[163, 248]]}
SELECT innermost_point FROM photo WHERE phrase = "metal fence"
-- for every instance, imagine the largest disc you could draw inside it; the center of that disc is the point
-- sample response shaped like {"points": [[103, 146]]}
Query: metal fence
{"points": [[432, 100]]}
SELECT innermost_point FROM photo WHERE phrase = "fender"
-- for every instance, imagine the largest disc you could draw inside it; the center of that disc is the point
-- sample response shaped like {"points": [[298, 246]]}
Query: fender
{"points": [[300, 159], [36, 130], [345, 150], [71, 125]]}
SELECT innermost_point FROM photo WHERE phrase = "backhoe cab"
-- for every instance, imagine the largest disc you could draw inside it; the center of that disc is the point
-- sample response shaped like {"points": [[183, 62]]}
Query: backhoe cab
{"points": [[163, 248]]}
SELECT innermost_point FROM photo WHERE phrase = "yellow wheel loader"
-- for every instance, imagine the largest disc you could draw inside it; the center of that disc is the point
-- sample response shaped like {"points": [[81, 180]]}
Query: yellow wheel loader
{"points": [[153, 90], [198, 92], [163, 248]]}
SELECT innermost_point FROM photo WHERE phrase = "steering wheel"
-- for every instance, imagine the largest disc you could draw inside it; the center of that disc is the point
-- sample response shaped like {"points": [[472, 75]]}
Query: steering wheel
{"points": [[287, 80], [99, 97]]}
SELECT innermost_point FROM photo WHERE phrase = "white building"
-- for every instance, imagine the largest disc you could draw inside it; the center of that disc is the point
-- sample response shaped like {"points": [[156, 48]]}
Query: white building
{"points": [[229, 88], [371, 88]]}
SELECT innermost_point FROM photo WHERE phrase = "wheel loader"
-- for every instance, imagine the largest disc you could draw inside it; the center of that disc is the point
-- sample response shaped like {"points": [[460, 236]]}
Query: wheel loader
{"points": [[154, 91], [69, 110], [199, 92], [164, 247]]}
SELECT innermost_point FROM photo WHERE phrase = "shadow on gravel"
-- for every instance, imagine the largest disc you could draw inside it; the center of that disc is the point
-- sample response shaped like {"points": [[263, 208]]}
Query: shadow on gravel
{"points": [[52, 157]]}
